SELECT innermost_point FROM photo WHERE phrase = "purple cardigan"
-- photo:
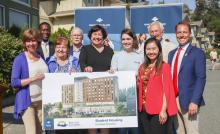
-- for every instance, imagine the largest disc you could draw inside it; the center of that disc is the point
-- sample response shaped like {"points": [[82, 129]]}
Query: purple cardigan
{"points": [[20, 71]]}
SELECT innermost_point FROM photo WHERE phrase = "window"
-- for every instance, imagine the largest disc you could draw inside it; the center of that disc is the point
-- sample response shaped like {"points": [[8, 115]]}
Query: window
{"points": [[19, 19], [35, 3], [2, 18], [35, 24]]}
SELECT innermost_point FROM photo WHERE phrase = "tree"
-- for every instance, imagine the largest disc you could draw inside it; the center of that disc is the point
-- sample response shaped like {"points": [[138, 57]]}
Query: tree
{"points": [[209, 12], [60, 32], [10, 47]]}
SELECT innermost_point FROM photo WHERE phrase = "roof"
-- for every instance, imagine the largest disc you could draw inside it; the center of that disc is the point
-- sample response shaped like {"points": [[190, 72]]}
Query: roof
{"points": [[211, 33], [197, 23], [203, 30], [62, 14]]}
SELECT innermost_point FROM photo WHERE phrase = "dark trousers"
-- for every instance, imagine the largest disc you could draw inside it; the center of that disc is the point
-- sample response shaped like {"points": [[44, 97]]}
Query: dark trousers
{"points": [[150, 124], [129, 130]]}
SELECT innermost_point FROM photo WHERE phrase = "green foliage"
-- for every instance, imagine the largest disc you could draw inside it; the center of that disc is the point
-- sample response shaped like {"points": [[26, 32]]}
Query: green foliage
{"points": [[15, 31], [209, 12], [10, 47], [60, 32]]}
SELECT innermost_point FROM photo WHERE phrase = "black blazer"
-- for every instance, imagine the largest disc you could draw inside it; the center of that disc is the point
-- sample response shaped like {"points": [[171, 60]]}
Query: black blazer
{"points": [[51, 50]]}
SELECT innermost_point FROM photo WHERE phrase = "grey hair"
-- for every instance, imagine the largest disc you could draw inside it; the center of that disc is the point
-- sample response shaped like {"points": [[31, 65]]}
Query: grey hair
{"points": [[155, 23], [75, 29]]}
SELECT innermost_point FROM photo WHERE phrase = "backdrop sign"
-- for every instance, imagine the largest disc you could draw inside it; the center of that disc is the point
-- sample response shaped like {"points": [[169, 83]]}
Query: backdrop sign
{"points": [[111, 18], [168, 15]]}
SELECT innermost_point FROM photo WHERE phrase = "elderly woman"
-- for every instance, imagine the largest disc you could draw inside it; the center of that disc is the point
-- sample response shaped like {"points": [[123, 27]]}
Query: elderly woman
{"points": [[27, 73], [96, 57], [61, 62]]}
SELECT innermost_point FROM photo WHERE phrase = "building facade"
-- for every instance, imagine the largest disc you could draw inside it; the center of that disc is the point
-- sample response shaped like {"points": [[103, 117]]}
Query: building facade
{"points": [[20, 13], [61, 13], [86, 95]]}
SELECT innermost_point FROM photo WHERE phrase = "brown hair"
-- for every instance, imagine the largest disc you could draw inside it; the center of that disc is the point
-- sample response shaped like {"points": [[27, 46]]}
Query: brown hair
{"points": [[184, 23], [62, 40], [95, 29], [129, 32], [30, 34]]}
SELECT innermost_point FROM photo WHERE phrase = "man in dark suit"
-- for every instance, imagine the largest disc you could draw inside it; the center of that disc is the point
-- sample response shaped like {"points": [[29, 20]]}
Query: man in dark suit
{"points": [[46, 48], [188, 66]]}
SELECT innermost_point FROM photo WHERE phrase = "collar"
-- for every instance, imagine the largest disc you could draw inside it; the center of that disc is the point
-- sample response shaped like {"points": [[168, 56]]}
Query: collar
{"points": [[44, 43], [185, 46], [76, 49]]}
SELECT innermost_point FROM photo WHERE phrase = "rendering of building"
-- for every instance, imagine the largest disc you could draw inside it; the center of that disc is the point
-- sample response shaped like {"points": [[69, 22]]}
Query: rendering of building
{"points": [[86, 95], [21, 13], [68, 95]]}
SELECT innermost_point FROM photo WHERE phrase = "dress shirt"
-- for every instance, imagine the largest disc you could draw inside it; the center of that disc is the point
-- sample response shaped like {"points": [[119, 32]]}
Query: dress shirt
{"points": [[182, 53], [45, 48], [76, 51]]}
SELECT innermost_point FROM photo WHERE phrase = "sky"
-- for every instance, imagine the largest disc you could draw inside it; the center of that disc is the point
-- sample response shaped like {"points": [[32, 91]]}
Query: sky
{"points": [[191, 3]]}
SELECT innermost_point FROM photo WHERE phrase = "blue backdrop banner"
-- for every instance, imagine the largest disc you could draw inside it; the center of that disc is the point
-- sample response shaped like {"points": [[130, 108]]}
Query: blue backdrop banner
{"points": [[168, 15], [111, 18]]}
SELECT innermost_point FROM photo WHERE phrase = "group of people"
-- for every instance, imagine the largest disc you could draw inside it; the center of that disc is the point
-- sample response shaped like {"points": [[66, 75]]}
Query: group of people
{"points": [[170, 78]]}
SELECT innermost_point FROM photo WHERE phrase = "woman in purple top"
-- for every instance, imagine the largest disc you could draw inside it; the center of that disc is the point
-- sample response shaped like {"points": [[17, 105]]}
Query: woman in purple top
{"points": [[61, 61], [27, 73]]}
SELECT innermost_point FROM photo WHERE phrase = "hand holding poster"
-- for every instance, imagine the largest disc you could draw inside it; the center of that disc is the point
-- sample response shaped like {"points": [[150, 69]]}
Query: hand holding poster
{"points": [[89, 100]]}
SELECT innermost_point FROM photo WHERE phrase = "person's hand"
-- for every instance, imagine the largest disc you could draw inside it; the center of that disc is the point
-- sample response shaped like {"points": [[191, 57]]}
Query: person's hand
{"points": [[193, 108], [72, 71], [111, 71], [38, 76], [88, 69], [162, 117]]}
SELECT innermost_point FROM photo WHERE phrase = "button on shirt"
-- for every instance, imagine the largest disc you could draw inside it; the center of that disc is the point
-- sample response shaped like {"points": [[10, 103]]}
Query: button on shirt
{"points": [[182, 53]]}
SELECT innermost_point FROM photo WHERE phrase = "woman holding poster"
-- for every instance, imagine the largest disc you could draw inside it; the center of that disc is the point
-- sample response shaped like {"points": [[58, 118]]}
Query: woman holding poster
{"points": [[156, 95], [27, 73], [127, 60], [96, 57]]}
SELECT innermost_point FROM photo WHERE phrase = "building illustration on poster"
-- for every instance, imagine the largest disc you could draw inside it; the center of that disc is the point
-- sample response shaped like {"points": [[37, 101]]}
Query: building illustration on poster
{"points": [[87, 97]]}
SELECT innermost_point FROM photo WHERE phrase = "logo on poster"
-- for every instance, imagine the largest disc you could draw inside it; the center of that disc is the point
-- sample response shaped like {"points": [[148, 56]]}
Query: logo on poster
{"points": [[153, 20], [100, 22]]}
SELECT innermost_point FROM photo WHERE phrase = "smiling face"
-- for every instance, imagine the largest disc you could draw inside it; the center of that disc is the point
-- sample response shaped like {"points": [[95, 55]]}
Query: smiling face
{"points": [[45, 32], [183, 34], [61, 51], [127, 42], [76, 37], [97, 38], [156, 31], [31, 45], [61, 47], [152, 51]]}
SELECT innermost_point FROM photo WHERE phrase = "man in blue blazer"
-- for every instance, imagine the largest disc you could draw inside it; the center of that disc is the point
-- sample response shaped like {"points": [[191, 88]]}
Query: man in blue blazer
{"points": [[188, 66]]}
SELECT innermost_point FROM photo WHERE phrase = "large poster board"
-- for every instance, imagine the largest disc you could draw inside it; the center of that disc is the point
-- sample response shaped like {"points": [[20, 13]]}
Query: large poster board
{"points": [[89, 100]]}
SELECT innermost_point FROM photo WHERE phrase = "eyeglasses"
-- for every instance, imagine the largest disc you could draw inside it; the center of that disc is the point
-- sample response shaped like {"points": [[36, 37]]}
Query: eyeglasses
{"points": [[76, 35]]}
